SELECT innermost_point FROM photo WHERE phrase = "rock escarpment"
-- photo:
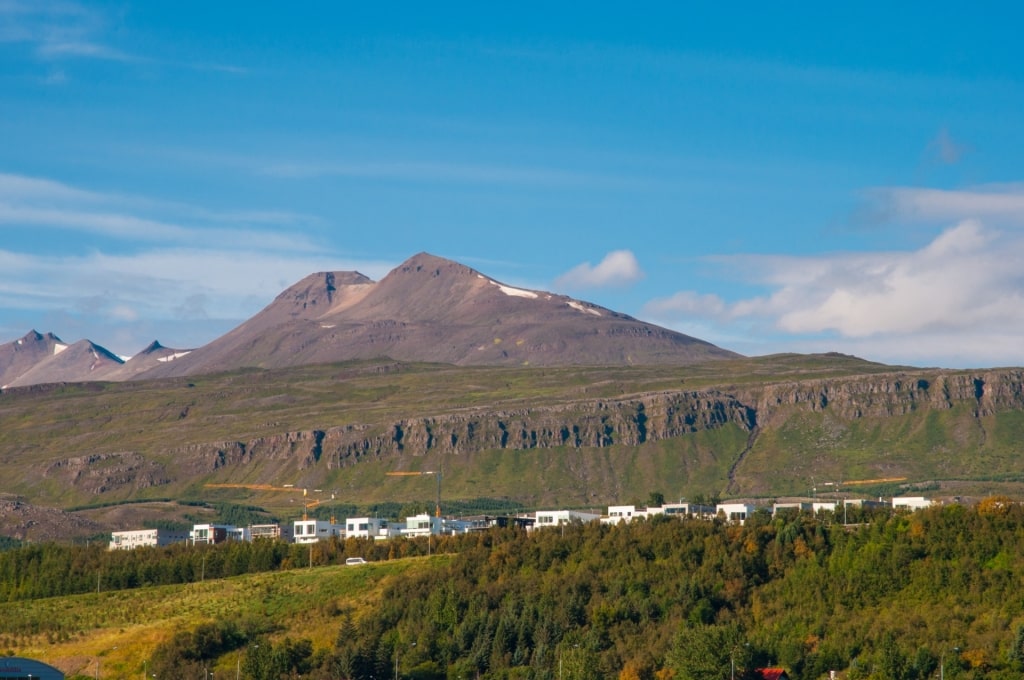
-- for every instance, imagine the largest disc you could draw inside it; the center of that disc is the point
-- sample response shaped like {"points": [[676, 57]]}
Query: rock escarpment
{"points": [[629, 422], [582, 424]]}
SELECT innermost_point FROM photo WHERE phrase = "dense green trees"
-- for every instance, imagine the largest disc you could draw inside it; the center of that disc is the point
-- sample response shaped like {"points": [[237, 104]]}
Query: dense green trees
{"points": [[894, 598], [891, 598]]}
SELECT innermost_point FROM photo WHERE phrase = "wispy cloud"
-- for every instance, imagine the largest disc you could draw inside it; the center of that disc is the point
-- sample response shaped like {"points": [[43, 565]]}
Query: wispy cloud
{"points": [[66, 30], [1003, 203], [618, 268], [145, 261], [71, 49], [966, 282], [44, 203], [101, 291], [56, 30]]}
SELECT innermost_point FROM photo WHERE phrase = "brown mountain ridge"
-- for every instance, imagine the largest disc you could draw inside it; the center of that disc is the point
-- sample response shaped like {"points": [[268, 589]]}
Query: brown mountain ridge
{"points": [[428, 309]]}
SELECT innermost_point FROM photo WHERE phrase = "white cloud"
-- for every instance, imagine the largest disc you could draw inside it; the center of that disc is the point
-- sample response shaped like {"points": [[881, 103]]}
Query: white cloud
{"points": [[56, 29], [44, 203], [140, 266], [966, 277], [618, 268], [183, 285], [687, 304], [920, 306], [1001, 202]]}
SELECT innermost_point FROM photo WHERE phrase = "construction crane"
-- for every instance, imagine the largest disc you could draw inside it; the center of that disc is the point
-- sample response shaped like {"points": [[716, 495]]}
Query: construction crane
{"points": [[437, 508], [880, 480]]}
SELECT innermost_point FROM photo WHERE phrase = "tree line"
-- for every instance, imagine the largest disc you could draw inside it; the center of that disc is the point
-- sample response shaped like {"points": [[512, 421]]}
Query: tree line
{"points": [[897, 597], [900, 597]]}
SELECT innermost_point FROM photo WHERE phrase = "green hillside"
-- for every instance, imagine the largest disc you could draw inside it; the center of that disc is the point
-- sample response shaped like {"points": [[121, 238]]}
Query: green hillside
{"points": [[882, 598], [576, 437]]}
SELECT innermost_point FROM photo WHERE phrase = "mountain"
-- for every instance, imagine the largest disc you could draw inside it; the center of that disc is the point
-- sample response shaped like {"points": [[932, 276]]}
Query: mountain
{"points": [[21, 355], [37, 358], [435, 310], [428, 309], [152, 356], [78, 362]]}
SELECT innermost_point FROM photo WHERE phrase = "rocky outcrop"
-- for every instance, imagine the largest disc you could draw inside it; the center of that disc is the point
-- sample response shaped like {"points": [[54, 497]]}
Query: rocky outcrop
{"points": [[891, 395], [101, 472], [582, 424]]}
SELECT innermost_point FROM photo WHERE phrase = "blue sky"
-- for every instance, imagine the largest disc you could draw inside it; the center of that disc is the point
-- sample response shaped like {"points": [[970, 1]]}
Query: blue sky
{"points": [[767, 178]]}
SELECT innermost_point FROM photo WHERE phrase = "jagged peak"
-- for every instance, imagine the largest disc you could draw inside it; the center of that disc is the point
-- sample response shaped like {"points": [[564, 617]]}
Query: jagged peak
{"points": [[35, 336]]}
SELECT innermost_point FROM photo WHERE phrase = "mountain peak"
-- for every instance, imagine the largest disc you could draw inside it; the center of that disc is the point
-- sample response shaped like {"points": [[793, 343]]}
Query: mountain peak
{"points": [[428, 308]]}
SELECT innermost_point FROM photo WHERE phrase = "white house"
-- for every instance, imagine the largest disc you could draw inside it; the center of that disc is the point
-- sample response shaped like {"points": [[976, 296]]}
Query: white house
{"points": [[216, 533], [554, 518], [313, 530], [422, 525], [129, 540], [910, 503], [621, 513], [865, 503], [795, 506], [365, 527], [683, 510], [735, 512]]}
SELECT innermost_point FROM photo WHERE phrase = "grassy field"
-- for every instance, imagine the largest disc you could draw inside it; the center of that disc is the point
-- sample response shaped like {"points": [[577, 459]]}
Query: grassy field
{"points": [[145, 423], [119, 630]]}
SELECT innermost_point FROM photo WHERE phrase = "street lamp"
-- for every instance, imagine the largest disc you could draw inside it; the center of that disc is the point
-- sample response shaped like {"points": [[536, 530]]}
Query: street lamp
{"points": [[732, 661], [238, 660], [942, 663], [397, 649], [560, 654]]}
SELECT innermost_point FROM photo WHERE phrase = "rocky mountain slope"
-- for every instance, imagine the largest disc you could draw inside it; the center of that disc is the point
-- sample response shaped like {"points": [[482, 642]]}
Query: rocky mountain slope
{"points": [[568, 436], [427, 309], [36, 359], [436, 310]]}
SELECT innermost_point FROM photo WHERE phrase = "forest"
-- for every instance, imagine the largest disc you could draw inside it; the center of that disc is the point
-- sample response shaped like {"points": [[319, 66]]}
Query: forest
{"points": [[899, 597]]}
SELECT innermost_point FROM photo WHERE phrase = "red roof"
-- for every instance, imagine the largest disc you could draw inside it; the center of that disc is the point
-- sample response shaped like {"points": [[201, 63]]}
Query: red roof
{"points": [[773, 673]]}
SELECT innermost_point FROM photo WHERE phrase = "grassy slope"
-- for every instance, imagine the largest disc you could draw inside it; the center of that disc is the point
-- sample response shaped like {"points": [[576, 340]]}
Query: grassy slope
{"points": [[123, 627], [44, 425]]}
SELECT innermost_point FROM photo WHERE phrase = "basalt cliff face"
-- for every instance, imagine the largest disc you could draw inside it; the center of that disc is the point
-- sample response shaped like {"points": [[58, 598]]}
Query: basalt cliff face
{"points": [[886, 400]]}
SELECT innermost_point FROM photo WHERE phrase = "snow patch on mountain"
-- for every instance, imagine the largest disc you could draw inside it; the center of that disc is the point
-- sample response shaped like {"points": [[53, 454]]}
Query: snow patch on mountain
{"points": [[579, 307], [172, 357], [515, 292]]}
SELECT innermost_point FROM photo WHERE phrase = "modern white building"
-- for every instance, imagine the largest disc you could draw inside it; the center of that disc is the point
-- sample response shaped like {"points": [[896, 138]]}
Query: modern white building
{"points": [[216, 533], [422, 525], [554, 518], [365, 527], [313, 530], [622, 513], [684, 510], [735, 512], [792, 507], [910, 503], [139, 538], [865, 503]]}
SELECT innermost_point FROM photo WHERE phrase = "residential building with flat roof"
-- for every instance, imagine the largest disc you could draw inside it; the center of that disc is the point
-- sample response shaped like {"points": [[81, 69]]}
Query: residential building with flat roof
{"points": [[141, 538]]}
